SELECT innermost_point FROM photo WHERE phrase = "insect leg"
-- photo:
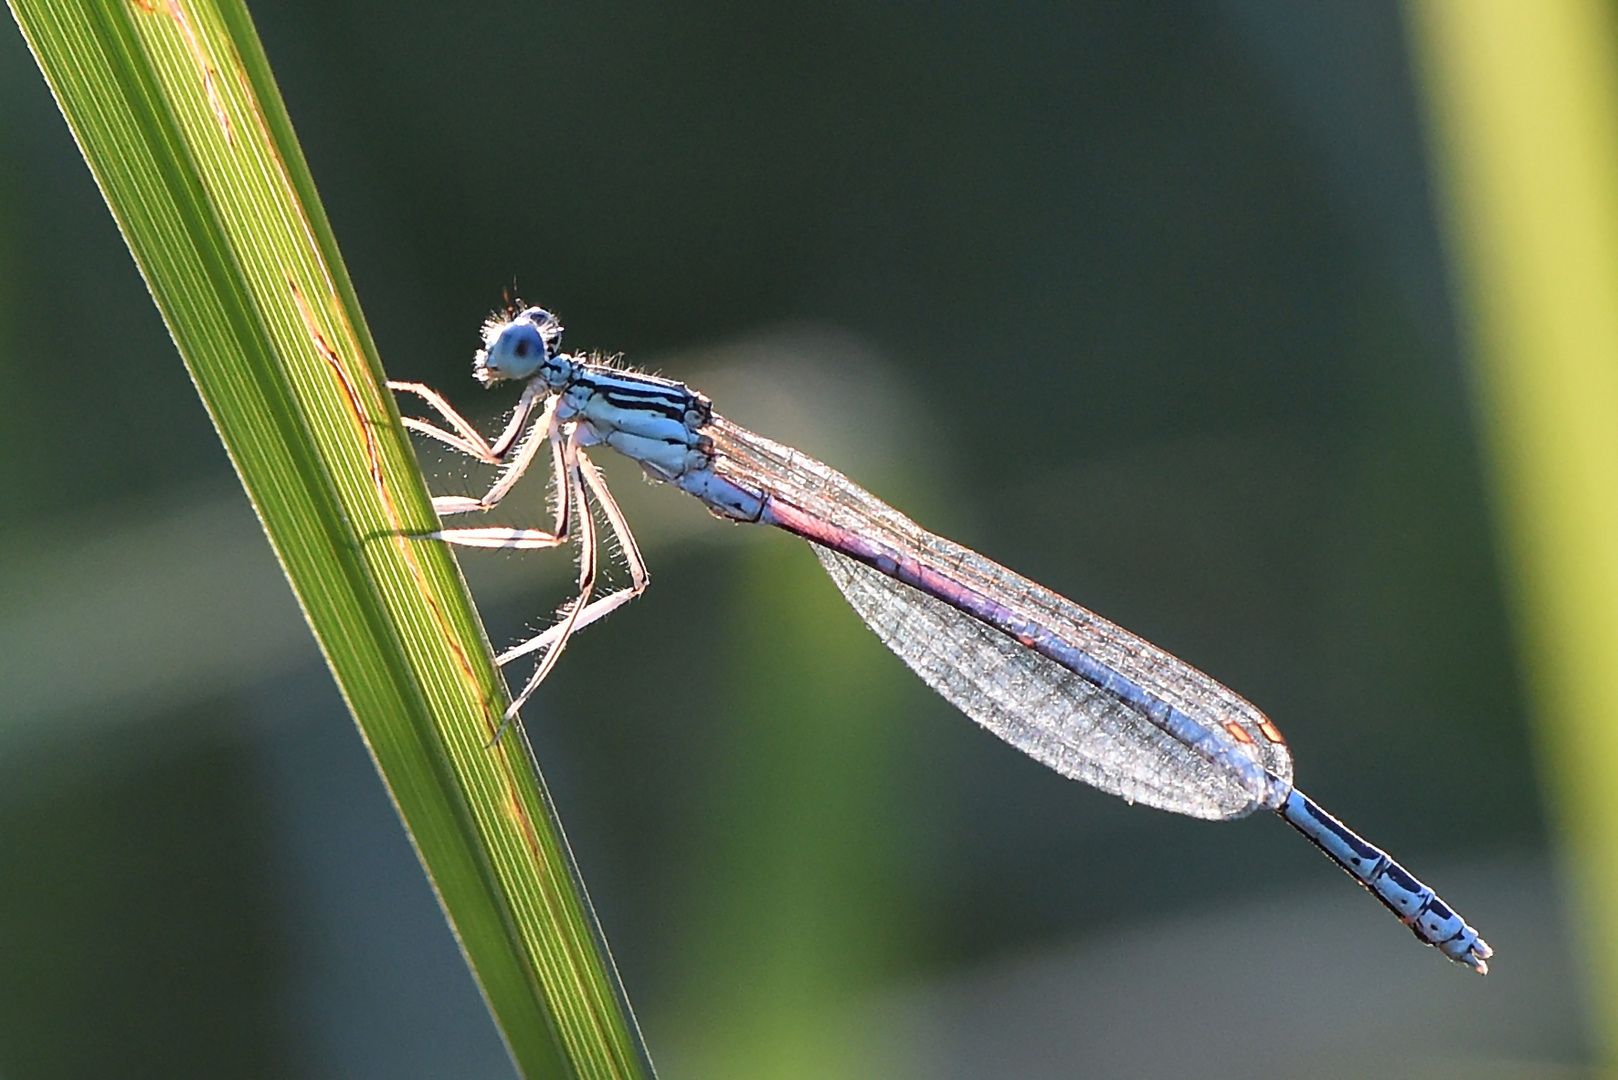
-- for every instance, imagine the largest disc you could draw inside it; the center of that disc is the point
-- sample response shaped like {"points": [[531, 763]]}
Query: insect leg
{"points": [[576, 493], [466, 438], [606, 605]]}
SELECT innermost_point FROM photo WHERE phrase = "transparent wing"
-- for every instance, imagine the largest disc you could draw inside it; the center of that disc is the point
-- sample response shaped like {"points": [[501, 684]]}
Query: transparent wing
{"points": [[1036, 705], [1048, 711]]}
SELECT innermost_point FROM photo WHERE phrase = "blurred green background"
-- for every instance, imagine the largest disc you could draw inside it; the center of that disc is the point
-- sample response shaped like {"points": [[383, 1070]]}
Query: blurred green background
{"points": [[1145, 300]]}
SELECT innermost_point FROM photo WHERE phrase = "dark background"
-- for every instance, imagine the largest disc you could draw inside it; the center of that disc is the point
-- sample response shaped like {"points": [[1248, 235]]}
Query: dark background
{"points": [[1145, 300]]}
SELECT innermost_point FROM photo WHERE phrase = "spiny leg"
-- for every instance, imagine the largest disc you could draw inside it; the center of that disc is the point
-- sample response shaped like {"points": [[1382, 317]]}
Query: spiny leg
{"points": [[470, 443], [606, 605], [517, 539], [466, 438], [544, 429], [571, 483], [519, 415], [587, 578]]}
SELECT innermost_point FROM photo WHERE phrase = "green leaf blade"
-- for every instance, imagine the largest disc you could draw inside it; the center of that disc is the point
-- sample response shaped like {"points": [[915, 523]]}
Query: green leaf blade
{"points": [[176, 111]]}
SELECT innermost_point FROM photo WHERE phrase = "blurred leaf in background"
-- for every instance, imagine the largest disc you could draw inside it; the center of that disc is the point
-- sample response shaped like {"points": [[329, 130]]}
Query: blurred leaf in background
{"points": [[807, 831], [1524, 113]]}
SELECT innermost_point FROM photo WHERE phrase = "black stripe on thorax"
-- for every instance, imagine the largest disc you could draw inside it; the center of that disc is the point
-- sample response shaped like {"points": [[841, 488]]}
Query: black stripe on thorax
{"points": [[647, 393]]}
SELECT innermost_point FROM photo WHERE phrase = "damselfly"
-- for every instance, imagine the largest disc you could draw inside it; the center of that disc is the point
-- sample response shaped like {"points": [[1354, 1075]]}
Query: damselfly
{"points": [[1058, 682]]}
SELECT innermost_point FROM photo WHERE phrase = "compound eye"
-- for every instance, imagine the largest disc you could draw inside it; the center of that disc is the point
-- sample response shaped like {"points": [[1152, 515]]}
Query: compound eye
{"points": [[515, 351]]}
